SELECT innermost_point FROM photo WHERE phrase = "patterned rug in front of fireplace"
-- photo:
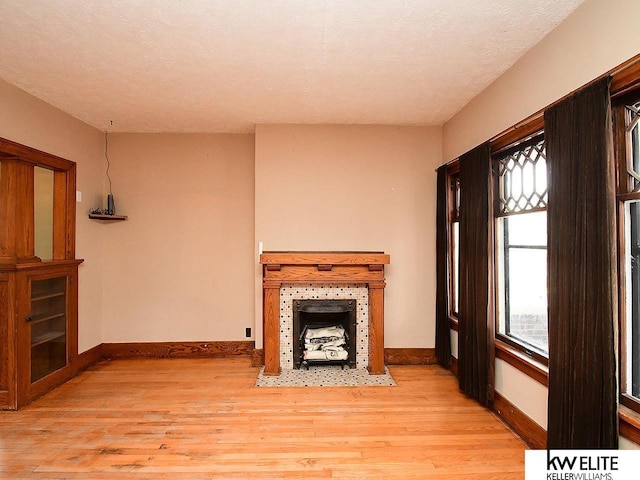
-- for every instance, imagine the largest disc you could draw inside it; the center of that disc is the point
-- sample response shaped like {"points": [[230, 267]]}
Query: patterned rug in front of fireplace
{"points": [[326, 376]]}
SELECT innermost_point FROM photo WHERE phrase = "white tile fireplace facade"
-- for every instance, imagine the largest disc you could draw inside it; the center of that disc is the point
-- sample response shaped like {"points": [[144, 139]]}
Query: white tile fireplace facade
{"points": [[291, 292]]}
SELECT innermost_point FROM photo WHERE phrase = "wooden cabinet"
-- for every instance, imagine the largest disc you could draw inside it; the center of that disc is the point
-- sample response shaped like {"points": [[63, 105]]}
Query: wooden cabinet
{"points": [[38, 299], [40, 344]]}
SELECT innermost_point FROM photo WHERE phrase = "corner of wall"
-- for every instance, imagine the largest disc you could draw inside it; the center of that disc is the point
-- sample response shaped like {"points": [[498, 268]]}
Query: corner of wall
{"points": [[27, 120]]}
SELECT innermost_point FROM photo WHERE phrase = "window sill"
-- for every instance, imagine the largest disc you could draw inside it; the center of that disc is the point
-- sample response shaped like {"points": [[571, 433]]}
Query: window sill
{"points": [[519, 360], [629, 422]]}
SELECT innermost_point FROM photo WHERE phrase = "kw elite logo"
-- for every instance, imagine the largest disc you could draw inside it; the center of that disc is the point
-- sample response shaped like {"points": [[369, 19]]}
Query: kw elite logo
{"points": [[581, 464], [581, 467]]}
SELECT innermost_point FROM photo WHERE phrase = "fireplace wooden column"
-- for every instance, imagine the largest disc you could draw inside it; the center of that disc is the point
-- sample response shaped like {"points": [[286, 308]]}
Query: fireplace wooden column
{"points": [[322, 268], [271, 326], [376, 328]]}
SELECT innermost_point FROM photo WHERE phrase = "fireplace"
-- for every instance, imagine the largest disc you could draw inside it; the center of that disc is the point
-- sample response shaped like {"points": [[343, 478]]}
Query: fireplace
{"points": [[331, 275], [292, 292], [324, 332]]}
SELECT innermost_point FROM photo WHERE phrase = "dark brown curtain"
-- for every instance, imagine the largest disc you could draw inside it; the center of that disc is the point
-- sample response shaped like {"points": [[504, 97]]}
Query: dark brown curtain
{"points": [[443, 335], [475, 321], [581, 269]]}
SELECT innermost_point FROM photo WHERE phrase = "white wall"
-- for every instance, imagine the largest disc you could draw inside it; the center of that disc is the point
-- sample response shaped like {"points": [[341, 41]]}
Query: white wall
{"points": [[181, 267], [598, 36], [32, 122], [355, 187]]}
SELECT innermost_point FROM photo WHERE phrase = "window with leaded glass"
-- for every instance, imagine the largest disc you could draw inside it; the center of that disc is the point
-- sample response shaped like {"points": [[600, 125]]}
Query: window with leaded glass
{"points": [[521, 240], [628, 137]]}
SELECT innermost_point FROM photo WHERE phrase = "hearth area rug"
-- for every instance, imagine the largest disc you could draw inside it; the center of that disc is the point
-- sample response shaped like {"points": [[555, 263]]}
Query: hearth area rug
{"points": [[326, 376]]}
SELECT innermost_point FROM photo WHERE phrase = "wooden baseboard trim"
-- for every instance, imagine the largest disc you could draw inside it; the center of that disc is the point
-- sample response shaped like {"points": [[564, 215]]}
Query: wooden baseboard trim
{"points": [[392, 356], [85, 359], [533, 434], [257, 359], [4, 400], [410, 356], [178, 349], [454, 365]]}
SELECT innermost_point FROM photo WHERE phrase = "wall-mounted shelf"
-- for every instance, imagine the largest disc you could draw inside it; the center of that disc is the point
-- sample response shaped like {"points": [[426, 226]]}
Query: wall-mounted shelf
{"points": [[101, 216]]}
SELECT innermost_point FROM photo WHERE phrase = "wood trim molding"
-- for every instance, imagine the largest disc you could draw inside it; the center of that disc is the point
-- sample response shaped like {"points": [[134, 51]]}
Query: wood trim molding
{"points": [[526, 365], [92, 356], [629, 424], [32, 156], [454, 366], [519, 134], [453, 324], [533, 434], [178, 349], [392, 356], [626, 77], [257, 359], [324, 258], [311, 274], [410, 356], [70, 220]]}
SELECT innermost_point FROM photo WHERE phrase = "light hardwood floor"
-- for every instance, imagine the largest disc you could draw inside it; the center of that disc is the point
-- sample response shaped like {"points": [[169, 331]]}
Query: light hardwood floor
{"points": [[203, 418]]}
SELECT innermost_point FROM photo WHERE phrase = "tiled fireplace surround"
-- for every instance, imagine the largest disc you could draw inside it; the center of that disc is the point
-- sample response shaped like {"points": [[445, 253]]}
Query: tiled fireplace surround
{"points": [[310, 291], [323, 275]]}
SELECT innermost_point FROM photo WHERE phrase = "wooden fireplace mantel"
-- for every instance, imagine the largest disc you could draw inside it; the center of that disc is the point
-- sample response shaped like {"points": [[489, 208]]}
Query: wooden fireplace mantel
{"points": [[322, 267]]}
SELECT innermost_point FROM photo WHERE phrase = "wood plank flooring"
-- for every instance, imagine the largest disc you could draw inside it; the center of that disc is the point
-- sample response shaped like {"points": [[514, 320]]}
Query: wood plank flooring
{"points": [[204, 419]]}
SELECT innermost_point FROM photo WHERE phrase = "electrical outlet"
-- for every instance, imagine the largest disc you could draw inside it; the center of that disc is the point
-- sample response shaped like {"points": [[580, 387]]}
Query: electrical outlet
{"points": [[248, 332]]}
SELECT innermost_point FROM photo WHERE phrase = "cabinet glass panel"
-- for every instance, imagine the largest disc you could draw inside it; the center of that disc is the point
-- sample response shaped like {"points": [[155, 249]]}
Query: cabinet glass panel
{"points": [[43, 212], [48, 326]]}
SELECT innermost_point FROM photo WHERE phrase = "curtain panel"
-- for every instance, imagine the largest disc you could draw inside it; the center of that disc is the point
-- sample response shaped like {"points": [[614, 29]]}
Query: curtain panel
{"points": [[475, 316], [443, 335], [582, 402]]}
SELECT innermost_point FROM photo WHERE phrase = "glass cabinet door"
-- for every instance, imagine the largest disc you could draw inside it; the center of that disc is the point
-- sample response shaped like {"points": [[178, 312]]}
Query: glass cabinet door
{"points": [[48, 326]]}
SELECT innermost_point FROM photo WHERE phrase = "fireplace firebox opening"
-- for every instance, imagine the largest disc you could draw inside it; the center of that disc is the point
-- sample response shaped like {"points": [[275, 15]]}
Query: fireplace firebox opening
{"points": [[324, 332]]}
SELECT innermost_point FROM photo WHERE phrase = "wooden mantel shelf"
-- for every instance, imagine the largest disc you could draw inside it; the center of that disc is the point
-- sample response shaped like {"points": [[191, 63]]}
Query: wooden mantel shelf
{"points": [[339, 267], [322, 267], [324, 258]]}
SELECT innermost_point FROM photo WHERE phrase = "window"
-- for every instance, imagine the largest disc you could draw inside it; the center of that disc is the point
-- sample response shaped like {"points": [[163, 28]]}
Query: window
{"points": [[521, 241], [454, 239], [628, 148]]}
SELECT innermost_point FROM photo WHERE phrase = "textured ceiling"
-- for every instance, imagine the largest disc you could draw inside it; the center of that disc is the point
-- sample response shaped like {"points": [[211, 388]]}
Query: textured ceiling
{"points": [[226, 65]]}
